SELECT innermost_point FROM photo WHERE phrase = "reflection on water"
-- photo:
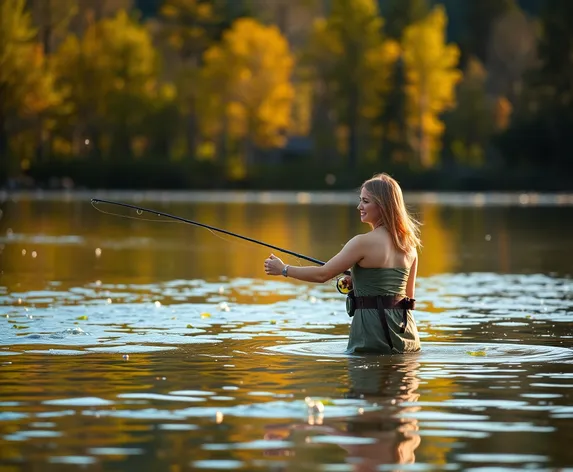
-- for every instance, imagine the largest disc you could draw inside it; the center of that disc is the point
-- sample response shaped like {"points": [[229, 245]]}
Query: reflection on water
{"points": [[376, 436], [139, 345]]}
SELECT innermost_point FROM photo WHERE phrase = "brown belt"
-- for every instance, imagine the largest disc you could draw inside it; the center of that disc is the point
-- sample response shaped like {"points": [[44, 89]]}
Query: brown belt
{"points": [[382, 303]]}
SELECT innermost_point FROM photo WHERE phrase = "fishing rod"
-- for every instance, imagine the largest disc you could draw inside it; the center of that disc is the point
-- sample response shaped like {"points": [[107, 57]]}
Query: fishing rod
{"points": [[140, 210]]}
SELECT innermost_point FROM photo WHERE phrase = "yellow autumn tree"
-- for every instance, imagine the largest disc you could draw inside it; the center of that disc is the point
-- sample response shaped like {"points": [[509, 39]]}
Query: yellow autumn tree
{"points": [[108, 77], [247, 90], [431, 78], [26, 78]]}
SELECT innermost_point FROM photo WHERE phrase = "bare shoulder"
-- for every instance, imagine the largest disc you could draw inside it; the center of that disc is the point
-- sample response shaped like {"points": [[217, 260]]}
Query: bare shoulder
{"points": [[380, 236], [357, 240], [412, 256]]}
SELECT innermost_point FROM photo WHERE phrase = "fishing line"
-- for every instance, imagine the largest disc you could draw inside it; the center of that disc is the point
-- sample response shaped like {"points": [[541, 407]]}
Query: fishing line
{"points": [[140, 210]]}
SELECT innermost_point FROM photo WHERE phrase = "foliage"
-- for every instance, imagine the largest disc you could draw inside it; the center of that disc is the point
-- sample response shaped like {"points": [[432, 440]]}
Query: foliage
{"points": [[431, 77], [26, 78], [471, 124], [400, 14], [354, 62], [540, 131], [52, 18], [108, 76], [188, 26], [201, 82], [246, 86]]}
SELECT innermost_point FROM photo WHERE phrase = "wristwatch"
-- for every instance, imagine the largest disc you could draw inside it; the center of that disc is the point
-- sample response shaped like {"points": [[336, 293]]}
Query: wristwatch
{"points": [[285, 270]]}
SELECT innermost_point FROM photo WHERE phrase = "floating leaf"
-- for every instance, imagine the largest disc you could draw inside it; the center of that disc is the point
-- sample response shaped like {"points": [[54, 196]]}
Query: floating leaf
{"points": [[205, 315], [190, 326], [83, 317], [476, 353]]}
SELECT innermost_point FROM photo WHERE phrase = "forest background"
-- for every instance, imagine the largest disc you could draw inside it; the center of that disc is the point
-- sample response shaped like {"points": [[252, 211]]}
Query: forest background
{"points": [[286, 94]]}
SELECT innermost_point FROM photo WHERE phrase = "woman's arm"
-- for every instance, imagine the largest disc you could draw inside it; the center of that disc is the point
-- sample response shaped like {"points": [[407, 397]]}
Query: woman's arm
{"points": [[351, 253], [411, 284]]}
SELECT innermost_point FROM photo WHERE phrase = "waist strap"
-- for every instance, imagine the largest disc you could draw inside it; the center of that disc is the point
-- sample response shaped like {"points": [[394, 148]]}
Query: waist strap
{"points": [[387, 301]]}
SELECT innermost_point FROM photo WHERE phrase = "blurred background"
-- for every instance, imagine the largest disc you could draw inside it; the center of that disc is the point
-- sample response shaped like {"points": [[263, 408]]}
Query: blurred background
{"points": [[286, 94]]}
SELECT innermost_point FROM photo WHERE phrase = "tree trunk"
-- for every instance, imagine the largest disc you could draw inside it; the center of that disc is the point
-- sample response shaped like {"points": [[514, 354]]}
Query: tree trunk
{"points": [[192, 132], [353, 118], [322, 129], [4, 158], [423, 140], [249, 153], [221, 143]]}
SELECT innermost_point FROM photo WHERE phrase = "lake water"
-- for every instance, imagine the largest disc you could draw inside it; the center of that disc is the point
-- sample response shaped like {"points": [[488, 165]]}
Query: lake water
{"points": [[128, 344]]}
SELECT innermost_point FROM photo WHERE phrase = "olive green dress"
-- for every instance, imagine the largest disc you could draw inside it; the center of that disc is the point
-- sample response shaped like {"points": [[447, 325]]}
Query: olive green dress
{"points": [[366, 332]]}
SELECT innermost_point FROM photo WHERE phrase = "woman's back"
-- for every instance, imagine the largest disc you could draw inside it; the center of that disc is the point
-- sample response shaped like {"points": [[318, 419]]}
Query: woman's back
{"points": [[379, 281], [380, 251]]}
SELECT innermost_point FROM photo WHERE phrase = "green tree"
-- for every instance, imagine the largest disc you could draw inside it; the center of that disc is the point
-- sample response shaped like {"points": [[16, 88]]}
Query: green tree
{"points": [[246, 89], [481, 15], [431, 77], [393, 117], [108, 77], [470, 126], [511, 52], [402, 13], [52, 18], [540, 131], [26, 80], [352, 63]]}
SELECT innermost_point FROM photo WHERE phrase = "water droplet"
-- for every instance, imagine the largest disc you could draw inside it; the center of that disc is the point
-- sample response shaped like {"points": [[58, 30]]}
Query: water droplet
{"points": [[157, 304], [34, 254], [139, 212], [98, 252], [23, 252]]}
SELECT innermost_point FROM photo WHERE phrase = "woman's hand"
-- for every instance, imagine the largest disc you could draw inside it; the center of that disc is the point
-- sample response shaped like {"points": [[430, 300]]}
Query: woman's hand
{"points": [[273, 265]]}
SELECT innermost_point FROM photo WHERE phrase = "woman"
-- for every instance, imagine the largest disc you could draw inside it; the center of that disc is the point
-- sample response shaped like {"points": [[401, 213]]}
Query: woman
{"points": [[384, 264]]}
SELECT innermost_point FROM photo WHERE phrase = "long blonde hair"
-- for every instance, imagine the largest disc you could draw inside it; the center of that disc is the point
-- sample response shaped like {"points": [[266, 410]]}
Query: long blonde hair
{"points": [[404, 230]]}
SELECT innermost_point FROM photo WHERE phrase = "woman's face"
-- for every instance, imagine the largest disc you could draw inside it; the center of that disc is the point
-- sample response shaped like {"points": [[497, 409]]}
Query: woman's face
{"points": [[369, 211]]}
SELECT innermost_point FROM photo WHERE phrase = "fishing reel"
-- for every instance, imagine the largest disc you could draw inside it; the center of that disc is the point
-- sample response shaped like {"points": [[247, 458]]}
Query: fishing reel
{"points": [[342, 286]]}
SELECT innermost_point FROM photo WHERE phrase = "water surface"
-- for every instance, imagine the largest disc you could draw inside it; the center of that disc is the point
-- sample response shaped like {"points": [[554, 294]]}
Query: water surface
{"points": [[130, 344]]}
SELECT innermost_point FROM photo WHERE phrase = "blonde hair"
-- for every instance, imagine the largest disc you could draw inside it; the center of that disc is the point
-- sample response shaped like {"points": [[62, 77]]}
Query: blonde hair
{"points": [[386, 193]]}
